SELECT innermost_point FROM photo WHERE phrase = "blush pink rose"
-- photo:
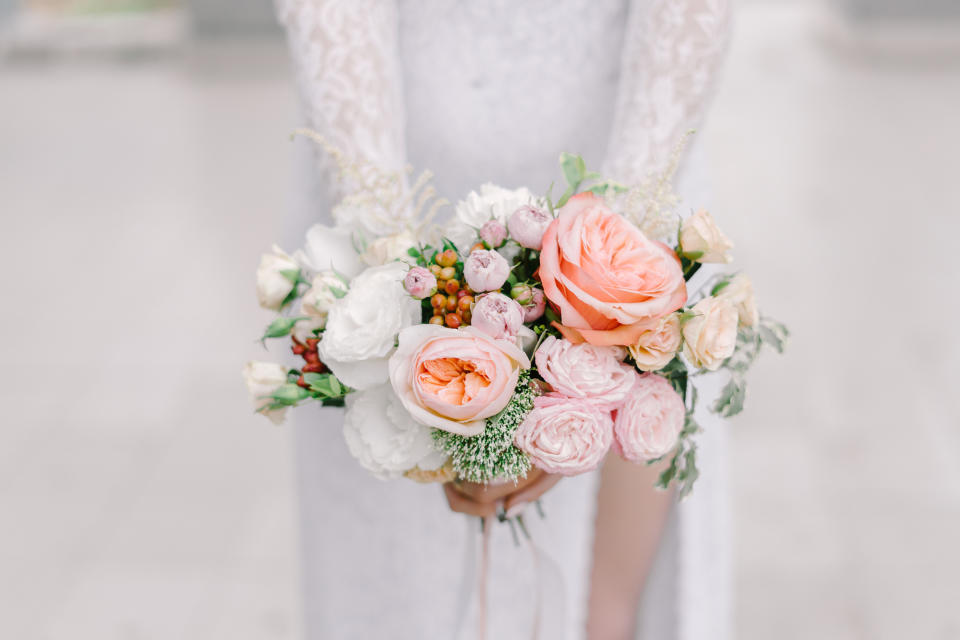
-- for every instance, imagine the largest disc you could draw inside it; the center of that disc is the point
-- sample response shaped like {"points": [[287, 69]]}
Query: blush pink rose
{"points": [[566, 436], [649, 423], [485, 270], [454, 379], [497, 316], [527, 226], [585, 371], [531, 299], [604, 276]]}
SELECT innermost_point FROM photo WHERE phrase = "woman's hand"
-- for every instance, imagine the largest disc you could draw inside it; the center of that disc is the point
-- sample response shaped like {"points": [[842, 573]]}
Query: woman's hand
{"points": [[482, 500]]}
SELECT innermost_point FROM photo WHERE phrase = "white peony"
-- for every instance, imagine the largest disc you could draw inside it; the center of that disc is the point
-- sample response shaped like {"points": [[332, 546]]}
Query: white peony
{"points": [[263, 378], [330, 248], [272, 286], [390, 248], [492, 203], [362, 326], [384, 437]]}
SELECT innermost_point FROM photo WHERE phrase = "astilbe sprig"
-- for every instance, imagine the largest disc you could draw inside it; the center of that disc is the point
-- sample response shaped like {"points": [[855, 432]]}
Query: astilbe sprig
{"points": [[492, 454]]}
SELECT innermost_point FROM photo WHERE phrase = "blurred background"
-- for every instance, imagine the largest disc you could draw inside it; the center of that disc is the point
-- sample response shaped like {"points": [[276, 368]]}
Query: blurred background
{"points": [[145, 164]]}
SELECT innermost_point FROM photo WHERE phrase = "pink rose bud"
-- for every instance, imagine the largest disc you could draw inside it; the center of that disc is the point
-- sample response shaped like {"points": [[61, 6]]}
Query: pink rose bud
{"points": [[531, 299], [486, 270], [493, 233], [527, 226], [420, 283], [648, 424], [497, 316]]}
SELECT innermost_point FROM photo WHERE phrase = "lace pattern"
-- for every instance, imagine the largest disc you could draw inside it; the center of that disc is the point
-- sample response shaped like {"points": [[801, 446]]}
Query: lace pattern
{"points": [[671, 56], [347, 67]]}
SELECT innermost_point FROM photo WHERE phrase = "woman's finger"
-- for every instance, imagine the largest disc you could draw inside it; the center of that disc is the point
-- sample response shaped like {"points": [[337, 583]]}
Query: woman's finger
{"points": [[462, 504], [531, 492], [493, 492]]}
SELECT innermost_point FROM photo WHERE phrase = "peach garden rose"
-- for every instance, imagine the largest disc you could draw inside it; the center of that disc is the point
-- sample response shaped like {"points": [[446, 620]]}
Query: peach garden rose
{"points": [[605, 277], [454, 379]]}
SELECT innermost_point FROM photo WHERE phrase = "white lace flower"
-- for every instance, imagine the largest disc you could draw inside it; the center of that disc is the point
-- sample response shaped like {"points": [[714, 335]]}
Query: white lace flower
{"points": [[383, 436], [362, 326]]}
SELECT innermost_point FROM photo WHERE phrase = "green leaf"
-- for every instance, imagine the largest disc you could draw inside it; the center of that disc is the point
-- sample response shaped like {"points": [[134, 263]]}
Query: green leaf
{"points": [[551, 315], [770, 338], [720, 286], [573, 167], [289, 394], [566, 196], [668, 474], [730, 401], [293, 275], [413, 252], [692, 256], [690, 472], [337, 292], [281, 327]]}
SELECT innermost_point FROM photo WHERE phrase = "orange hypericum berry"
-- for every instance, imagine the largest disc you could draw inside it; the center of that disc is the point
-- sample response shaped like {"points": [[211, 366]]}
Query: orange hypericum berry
{"points": [[477, 247], [435, 270], [438, 300], [451, 286], [447, 259], [451, 303], [453, 320], [436, 320], [465, 303], [466, 316], [448, 273]]}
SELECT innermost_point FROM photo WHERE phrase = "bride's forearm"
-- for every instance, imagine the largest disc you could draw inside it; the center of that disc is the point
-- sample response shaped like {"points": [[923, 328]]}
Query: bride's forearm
{"points": [[631, 514]]}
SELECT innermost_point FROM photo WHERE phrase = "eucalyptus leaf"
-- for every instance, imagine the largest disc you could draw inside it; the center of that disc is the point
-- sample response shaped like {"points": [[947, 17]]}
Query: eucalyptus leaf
{"points": [[690, 471]]}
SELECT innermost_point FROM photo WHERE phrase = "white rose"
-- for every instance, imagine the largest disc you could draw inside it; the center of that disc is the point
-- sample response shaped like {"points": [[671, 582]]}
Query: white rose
{"points": [[389, 248], [739, 291], [306, 327], [362, 326], [383, 436], [700, 234], [710, 337], [272, 286], [330, 249], [263, 378], [320, 297]]}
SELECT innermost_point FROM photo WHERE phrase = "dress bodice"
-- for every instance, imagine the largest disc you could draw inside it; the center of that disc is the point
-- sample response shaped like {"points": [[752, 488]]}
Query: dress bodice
{"points": [[494, 91]]}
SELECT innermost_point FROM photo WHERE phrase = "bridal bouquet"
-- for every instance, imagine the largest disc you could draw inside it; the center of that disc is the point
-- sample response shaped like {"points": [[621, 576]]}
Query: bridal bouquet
{"points": [[526, 332]]}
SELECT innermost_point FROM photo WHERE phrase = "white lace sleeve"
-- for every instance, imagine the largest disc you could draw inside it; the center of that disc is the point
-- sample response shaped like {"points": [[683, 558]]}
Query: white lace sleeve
{"points": [[346, 62], [671, 55]]}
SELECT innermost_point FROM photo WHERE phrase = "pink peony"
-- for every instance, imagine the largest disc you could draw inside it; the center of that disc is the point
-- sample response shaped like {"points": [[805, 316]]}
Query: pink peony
{"points": [[527, 226], [605, 277], [566, 436], [649, 423], [497, 316], [420, 283], [485, 270], [493, 233], [585, 371], [454, 379]]}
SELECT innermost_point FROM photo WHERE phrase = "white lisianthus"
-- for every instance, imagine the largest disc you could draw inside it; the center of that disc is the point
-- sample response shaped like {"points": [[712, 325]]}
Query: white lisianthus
{"points": [[330, 249], [389, 248], [362, 326], [710, 336], [272, 286], [322, 294], [383, 436], [263, 378], [739, 291], [699, 234], [491, 203]]}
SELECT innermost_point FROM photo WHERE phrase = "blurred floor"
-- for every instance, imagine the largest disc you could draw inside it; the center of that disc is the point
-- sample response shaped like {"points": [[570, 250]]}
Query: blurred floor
{"points": [[136, 196]]}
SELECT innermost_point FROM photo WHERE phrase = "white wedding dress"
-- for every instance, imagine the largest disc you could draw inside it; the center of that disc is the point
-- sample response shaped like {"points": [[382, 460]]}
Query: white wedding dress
{"points": [[493, 91]]}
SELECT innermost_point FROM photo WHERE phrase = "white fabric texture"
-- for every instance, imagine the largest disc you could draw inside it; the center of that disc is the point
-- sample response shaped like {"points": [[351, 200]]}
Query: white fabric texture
{"points": [[494, 91]]}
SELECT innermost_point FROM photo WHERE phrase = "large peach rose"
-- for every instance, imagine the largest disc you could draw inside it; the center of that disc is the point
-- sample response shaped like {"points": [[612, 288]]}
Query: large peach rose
{"points": [[454, 379], [605, 277]]}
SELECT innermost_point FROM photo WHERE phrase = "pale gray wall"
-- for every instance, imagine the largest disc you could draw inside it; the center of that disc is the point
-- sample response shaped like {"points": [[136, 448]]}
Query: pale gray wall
{"points": [[232, 17], [899, 9]]}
